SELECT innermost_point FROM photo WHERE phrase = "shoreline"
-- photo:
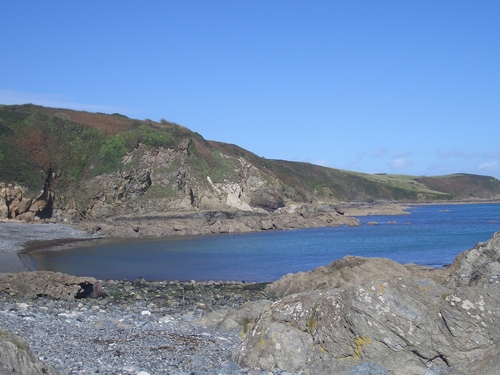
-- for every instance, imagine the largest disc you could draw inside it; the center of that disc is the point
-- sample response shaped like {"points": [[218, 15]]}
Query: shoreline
{"points": [[17, 242], [16, 239]]}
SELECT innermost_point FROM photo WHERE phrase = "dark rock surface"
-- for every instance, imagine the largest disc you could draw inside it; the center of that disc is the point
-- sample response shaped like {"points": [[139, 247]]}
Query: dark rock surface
{"points": [[210, 222]]}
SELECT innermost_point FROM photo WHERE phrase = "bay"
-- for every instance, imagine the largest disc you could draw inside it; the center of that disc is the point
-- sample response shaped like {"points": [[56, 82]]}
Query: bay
{"points": [[431, 235]]}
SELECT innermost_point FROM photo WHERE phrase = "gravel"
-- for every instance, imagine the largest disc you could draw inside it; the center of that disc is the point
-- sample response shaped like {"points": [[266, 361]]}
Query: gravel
{"points": [[139, 327]]}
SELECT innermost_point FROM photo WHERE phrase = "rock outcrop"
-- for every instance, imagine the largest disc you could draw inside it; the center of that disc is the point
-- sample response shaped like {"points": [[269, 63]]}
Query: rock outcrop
{"points": [[15, 203], [53, 284], [209, 222], [17, 358], [400, 323], [160, 180], [348, 271], [478, 266]]}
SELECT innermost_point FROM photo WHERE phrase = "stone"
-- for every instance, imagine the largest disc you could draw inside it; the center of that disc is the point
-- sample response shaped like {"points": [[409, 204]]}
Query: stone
{"points": [[368, 368], [349, 270], [243, 316], [17, 358], [477, 266], [47, 283], [14, 204], [230, 368], [402, 324]]}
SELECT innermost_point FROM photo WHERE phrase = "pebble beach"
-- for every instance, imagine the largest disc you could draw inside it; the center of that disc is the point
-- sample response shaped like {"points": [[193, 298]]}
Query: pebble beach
{"points": [[139, 327]]}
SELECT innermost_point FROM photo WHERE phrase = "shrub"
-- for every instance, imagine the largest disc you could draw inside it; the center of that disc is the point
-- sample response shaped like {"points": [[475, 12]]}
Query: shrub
{"points": [[112, 152]]}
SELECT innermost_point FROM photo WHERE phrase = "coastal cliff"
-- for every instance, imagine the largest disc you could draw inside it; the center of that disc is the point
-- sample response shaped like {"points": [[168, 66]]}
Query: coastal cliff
{"points": [[125, 177]]}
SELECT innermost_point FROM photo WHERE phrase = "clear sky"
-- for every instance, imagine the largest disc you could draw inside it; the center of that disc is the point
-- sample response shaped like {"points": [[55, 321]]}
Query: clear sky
{"points": [[408, 87]]}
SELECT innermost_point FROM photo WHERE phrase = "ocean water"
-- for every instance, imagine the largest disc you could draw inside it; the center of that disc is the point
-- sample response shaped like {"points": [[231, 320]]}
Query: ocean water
{"points": [[431, 235]]}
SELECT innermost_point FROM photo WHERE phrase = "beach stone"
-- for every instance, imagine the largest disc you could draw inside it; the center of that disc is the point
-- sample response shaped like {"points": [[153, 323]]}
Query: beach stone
{"points": [[368, 368], [231, 368]]}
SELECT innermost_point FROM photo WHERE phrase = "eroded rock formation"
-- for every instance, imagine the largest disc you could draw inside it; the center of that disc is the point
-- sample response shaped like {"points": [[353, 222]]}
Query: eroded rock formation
{"points": [[405, 324], [53, 284], [160, 180], [15, 203]]}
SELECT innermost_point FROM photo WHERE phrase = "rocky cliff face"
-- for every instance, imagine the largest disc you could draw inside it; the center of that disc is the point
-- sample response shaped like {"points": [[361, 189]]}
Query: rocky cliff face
{"points": [[95, 167], [16, 204], [155, 180], [400, 323]]}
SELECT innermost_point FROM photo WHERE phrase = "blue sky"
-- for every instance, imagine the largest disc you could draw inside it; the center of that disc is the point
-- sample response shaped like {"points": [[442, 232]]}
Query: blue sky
{"points": [[407, 87]]}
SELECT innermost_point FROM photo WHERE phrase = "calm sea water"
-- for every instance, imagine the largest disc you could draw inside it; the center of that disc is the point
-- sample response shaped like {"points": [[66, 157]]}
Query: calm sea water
{"points": [[430, 235]]}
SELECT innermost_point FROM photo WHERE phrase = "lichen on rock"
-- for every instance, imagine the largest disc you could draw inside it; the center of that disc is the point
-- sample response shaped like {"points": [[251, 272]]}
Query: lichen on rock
{"points": [[402, 323]]}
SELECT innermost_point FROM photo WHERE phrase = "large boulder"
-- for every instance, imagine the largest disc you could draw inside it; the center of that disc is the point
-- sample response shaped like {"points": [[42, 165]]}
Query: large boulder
{"points": [[47, 283], [477, 266], [17, 358], [350, 270], [400, 323], [407, 326]]}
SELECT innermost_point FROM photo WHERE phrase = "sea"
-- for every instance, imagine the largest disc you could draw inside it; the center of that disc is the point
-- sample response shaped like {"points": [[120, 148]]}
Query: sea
{"points": [[431, 235]]}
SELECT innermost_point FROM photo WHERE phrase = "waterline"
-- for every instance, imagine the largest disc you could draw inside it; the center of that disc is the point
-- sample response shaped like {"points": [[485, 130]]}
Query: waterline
{"points": [[430, 235]]}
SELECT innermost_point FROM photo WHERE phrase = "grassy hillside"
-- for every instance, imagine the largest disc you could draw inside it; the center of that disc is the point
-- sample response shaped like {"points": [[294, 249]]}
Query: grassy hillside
{"points": [[306, 181], [72, 145], [66, 147]]}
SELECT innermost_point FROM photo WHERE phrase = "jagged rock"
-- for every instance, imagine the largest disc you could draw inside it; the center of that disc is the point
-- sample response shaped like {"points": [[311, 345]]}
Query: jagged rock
{"points": [[242, 316], [14, 204], [404, 324], [17, 358], [400, 321], [477, 266], [46, 283], [172, 185], [4, 209], [347, 271]]}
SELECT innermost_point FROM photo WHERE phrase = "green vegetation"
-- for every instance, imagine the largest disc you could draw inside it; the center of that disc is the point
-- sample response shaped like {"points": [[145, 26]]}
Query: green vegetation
{"points": [[73, 146], [111, 153], [154, 137], [35, 140]]}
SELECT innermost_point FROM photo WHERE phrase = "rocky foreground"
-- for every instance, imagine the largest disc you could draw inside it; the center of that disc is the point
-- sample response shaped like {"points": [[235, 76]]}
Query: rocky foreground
{"points": [[356, 316], [137, 327]]}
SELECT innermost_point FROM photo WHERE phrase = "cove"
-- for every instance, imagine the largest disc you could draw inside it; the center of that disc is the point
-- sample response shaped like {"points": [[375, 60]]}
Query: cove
{"points": [[431, 235]]}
